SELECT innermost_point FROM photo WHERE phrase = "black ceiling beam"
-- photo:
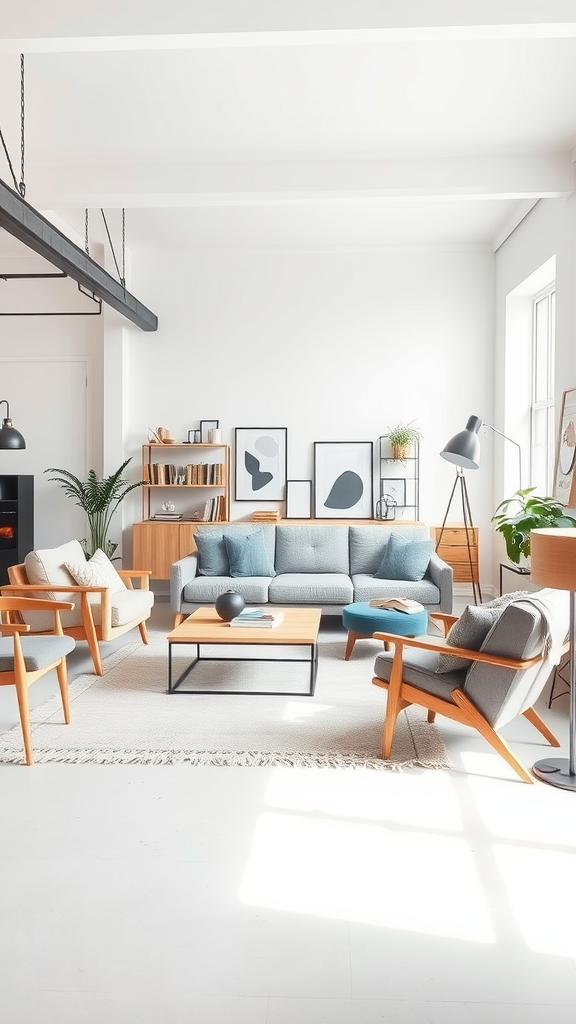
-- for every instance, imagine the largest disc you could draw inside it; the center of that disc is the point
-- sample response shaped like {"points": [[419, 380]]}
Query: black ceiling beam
{"points": [[27, 225]]}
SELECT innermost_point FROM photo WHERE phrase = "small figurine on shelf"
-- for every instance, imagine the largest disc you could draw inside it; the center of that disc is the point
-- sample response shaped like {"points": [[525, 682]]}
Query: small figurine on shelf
{"points": [[168, 506]]}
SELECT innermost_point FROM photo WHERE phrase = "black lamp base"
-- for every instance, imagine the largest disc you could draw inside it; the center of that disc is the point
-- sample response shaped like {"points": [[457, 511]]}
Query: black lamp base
{"points": [[556, 772]]}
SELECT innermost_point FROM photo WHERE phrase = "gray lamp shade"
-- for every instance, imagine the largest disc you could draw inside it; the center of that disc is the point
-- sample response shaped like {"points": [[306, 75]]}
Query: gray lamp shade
{"points": [[464, 448], [9, 436]]}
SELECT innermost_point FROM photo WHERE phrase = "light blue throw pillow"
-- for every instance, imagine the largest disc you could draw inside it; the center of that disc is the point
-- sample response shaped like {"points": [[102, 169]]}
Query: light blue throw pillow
{"points": [[249, 555], [212, 556], [404, 559]]}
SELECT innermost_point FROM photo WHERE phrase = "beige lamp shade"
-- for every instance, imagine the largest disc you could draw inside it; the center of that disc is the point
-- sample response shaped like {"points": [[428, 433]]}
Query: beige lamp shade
{"points": [[553, 558]]}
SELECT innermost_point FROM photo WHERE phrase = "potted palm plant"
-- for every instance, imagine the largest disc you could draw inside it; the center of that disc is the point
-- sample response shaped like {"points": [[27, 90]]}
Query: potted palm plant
{"points": [[99, 498], [515, 517], [401, 439]]}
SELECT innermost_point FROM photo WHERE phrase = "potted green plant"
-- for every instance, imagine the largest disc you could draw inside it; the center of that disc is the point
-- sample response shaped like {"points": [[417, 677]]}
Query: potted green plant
{"points": [[401, 439], [99, 498], [515, 517]]}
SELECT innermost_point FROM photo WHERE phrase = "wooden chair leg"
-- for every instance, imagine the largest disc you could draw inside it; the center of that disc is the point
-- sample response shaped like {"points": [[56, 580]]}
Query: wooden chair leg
{"points": [[143, 632], [431, 717], [352, 637], [62, 672], [537, 722], [24, 710], [478, 722]]}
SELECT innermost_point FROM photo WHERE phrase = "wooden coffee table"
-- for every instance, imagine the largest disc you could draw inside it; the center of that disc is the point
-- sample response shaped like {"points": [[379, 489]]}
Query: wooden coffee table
{"points": [[299, 628]]}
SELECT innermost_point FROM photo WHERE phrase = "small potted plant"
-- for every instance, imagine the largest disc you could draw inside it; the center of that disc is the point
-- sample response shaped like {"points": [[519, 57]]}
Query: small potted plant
{"points": [[515, 517], [402, 438]]}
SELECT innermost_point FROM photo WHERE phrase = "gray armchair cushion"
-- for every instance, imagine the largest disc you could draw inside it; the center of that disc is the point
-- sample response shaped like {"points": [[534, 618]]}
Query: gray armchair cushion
{"points": [[419, 669], [38, 651]]}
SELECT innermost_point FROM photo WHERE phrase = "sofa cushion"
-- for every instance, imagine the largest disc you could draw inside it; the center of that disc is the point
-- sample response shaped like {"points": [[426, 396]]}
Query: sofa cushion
{"points": [[212, 554], [368, 587], [98, 571], [368, 544], [249, 555], [405, 559], [311, 588], [205, 589], [312, 549]]}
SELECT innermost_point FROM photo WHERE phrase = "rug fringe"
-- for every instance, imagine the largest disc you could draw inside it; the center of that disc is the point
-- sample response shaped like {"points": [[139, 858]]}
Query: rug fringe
{"points": [[232, 758]]}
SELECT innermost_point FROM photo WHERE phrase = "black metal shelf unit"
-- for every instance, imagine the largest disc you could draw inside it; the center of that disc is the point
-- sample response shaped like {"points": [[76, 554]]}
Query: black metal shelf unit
{"points": [[398, 482], [16, 521]]}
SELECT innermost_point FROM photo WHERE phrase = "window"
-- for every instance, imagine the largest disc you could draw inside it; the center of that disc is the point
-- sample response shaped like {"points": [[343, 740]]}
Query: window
{"points": [[542, 402]]}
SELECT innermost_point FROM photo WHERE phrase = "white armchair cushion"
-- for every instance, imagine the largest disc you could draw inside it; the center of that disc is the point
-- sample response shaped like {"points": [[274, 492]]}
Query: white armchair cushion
{"points": [[48, 565], [97, 572]]}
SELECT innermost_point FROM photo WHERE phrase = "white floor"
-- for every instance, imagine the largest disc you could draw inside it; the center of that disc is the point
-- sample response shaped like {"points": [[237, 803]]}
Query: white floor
{"points": [[138, 895]]}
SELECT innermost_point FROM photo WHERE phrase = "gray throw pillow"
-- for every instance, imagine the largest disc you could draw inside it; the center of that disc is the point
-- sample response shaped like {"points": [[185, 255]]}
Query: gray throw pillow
{"points": [[470, 631], [249, 555], [404, 559], [212, 556]]}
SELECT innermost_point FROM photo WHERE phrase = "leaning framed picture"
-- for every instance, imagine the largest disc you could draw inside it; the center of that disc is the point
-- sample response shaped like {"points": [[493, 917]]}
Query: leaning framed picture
{"points": [[298, 499], [260, 463], [343, 479], [394, 487], [205, 427], [565, 465]]}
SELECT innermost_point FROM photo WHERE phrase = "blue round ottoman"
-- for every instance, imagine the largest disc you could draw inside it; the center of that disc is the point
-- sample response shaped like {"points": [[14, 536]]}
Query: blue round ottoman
{"points": [[362, 621]]}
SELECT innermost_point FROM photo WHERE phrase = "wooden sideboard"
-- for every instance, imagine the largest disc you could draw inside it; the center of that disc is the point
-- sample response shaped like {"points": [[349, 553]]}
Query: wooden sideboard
{"points": [[157, 545]]}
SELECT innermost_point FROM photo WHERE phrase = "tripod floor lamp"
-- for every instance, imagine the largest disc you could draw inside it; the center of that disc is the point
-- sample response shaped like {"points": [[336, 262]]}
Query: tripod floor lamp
{"points": [[553, 564], [463, 450]]}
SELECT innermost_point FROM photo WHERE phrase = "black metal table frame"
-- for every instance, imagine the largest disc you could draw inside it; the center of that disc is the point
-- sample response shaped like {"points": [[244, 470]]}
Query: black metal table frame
{"points": [[312, 661]]}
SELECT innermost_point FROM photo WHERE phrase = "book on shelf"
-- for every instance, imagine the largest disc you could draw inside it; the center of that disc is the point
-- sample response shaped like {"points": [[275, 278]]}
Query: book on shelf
{"points": [[267, 621], [168, 516], [397, 604]]}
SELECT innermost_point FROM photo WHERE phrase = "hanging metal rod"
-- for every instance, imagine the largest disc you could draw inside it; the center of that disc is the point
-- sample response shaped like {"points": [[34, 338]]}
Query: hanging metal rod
{"points": [[23, 222]]}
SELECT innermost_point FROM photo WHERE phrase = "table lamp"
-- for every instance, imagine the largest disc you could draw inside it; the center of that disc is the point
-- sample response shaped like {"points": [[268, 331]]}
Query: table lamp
{"points": [[553, 564]]}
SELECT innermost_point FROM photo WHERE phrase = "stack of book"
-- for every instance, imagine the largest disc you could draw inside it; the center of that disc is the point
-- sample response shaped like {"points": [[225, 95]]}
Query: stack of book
{"points": [[257, 617], [167, 516], [266, 516]]}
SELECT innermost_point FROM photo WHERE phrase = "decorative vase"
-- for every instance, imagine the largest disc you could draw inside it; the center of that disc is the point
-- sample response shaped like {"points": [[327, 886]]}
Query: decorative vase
{"points": [[229, 604]]}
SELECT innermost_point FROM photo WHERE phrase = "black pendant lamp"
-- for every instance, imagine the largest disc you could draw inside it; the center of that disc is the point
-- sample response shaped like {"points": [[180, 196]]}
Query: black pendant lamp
{"points": [[9, 436]]}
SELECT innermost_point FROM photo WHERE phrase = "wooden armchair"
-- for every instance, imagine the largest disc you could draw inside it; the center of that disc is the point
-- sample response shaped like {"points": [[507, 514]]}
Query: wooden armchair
{"points": [[25, 659], [504, 679], [99, 613]]}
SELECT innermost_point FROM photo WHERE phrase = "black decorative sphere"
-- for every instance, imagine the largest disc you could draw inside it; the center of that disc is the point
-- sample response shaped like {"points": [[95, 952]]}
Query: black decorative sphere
{"points": [[229, 604]]}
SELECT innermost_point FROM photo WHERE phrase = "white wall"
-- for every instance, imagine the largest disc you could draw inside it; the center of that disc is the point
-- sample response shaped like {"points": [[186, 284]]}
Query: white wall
{"points": [[332, 345], [43, 359]]}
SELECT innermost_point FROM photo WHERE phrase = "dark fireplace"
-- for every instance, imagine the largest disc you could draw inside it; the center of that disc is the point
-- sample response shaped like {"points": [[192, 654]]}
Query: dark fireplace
{"points": [[16, 521]]}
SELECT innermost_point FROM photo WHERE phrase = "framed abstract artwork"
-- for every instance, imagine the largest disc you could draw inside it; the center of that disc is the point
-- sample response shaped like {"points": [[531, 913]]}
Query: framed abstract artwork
{"points": [[298, 499], [260, 463], [343, 479], [564, 475]]}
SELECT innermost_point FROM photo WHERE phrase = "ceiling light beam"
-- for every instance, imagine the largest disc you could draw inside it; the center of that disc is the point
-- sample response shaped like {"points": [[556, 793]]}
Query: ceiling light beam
{"points": [[27, 225]]}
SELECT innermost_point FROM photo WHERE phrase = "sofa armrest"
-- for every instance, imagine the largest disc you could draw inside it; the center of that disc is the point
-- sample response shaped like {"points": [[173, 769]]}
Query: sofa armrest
{"points": [[181, 572], [442, 575]]}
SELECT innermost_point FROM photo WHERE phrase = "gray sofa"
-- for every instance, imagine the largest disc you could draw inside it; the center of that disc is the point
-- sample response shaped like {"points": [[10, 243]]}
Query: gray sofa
{"points": [[317, 565]]}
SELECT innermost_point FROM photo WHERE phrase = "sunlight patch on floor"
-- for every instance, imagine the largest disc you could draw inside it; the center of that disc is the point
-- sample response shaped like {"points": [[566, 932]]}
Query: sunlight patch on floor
{"points": [[423, 799], [297, 711], [541, 887], [410, 881]]}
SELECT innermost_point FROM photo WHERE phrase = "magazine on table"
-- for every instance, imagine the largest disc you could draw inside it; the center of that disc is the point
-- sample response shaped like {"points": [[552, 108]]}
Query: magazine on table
{"points": [[257, 617], [397, 604]]}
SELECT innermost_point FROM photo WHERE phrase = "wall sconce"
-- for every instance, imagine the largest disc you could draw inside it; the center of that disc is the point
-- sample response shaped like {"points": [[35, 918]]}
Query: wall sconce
{"points": [[9, 436]]}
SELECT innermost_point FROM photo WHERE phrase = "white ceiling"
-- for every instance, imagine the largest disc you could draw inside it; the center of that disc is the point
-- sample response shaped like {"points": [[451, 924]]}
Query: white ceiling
{"points": [[353, 123]]}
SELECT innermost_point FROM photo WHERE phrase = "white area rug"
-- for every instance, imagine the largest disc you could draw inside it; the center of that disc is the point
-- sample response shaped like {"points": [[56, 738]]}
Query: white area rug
{"points": [[127, 717]]}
